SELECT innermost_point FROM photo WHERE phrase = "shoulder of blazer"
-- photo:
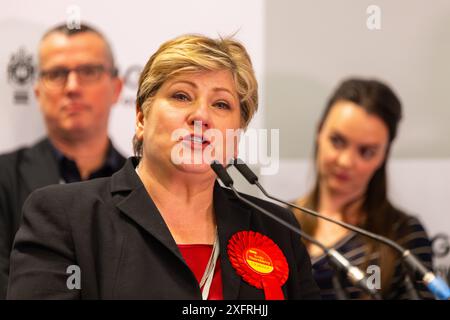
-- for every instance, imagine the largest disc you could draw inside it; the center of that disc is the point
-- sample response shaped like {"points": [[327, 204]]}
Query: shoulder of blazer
{"points": [[12, 160], [10, 163], [37, 166], [84, 194], [39, 152], [77, 191]]}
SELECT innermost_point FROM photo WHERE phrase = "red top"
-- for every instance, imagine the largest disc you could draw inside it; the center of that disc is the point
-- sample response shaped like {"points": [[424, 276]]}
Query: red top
{"points": [[197, 257]]}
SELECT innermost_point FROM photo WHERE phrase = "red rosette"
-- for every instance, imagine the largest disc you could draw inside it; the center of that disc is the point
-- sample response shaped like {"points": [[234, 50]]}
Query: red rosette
{"points": [[259, 261]]}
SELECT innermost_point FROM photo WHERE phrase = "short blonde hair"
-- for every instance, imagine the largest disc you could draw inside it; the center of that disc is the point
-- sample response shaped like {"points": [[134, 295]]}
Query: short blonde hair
{"points": [[192, 53]]}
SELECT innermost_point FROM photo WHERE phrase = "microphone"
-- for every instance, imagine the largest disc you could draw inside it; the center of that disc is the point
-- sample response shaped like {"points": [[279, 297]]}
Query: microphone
{"points": [[355, 275], [435, 284]]}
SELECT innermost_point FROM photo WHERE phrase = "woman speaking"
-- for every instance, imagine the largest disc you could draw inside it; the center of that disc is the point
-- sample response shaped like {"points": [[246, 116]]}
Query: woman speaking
{"points": [[162, 227]]}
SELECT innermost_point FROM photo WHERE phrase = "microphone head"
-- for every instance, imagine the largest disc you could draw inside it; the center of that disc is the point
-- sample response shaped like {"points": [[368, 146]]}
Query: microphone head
{"points": [[221, 173], [245, 171]]}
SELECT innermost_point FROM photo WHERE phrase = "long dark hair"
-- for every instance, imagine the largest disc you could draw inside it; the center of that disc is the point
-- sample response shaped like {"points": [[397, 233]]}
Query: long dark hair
{"points": [[381, 217]]}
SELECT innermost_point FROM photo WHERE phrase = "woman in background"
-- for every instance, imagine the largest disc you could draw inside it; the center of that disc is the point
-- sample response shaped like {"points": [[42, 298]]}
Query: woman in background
{"points": [[353, 143]]}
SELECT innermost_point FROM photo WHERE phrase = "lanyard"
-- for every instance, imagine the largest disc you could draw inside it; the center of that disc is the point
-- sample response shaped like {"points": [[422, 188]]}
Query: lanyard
{"points": [[208, 275]]}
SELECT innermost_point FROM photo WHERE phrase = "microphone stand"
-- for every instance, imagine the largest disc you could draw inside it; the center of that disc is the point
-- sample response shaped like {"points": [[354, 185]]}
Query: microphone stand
{"points": [[434, 283], [341, 294], [411, 291], [338, 260]]}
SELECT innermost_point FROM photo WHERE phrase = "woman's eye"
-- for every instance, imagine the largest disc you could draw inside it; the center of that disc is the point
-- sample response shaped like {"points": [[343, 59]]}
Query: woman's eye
{"points": [[222, 105], [337, 142], [181, 96], [367, 153]]}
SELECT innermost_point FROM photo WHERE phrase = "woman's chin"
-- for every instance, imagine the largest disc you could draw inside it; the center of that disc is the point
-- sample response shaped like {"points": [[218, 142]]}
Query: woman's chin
{"points": [[199, 168], [340, 187]]}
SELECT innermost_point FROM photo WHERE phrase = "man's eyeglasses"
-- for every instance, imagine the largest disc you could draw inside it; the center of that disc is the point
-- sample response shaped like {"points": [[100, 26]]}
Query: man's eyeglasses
{"points": [[56, 78]]}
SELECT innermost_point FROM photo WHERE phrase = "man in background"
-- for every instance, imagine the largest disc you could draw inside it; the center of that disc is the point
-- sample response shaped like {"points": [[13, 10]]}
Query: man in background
{"points": [[76, 88]]}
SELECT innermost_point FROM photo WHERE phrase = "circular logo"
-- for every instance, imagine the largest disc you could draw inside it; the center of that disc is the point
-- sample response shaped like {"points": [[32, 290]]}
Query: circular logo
{"points": [[441, 245], [21, 68], [131, 77], [258, 260]]}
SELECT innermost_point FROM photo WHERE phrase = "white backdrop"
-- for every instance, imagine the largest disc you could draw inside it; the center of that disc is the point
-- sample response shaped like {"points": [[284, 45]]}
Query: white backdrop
{"points": [[135, 31]]}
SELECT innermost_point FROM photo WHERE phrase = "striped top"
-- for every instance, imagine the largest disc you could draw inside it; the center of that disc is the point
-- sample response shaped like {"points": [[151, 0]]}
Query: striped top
{"points": [[354, 249]]}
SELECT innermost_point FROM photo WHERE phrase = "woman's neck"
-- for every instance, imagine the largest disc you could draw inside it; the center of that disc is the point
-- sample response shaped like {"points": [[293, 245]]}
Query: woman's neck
{"points": [[341, 206], [185, 203]]}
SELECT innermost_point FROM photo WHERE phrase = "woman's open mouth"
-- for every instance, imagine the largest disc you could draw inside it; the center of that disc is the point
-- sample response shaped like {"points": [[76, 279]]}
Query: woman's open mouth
{"points": [[195, 141]]}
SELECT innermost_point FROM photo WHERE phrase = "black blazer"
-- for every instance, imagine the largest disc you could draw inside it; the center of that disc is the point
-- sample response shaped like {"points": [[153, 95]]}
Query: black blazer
{"points": [[112, 230], [22, 171]]}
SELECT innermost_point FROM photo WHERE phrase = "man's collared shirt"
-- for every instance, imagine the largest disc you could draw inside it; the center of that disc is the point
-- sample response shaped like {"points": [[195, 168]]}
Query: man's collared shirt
{"points": [[69, 172]]}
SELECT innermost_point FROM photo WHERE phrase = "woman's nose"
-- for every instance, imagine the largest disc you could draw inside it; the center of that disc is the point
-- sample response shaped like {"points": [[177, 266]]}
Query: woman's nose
{"points": [[200, 115], [346, 158]]}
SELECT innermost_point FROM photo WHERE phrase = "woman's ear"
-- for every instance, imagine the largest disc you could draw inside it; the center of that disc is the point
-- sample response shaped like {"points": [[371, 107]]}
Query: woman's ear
{"points": [[140, 123], [318, 135], [386, 156]]}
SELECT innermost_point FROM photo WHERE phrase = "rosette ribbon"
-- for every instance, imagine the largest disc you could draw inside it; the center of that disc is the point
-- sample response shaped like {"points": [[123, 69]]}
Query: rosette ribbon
{"points": [[259, 261]]}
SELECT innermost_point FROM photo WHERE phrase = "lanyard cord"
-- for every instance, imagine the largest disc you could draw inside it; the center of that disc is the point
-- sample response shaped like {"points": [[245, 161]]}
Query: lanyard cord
{"points": [[208, 275]]}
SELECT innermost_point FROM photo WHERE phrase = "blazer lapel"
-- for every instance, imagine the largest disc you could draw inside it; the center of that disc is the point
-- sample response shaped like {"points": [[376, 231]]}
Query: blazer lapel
{"points": [[138, 206], [39, 167], [231, 218]]}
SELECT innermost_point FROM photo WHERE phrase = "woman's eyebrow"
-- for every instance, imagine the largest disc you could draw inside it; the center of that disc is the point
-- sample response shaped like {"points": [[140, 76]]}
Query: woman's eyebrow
{"points": [[194, 85], [361, 145], [335, 132], [190, 83], [370, 145]]}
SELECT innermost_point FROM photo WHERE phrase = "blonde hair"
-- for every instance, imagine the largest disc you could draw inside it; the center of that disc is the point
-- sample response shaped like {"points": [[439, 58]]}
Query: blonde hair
{"points": [[193, 53]]}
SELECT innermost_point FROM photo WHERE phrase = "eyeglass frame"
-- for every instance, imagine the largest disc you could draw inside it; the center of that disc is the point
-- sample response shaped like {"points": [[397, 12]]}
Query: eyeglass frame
{"points": [[101, 69]]}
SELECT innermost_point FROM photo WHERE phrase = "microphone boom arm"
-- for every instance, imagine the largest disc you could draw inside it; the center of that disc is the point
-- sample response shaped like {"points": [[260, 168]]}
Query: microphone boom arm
{"points": [[356, 276], [435, 284]]}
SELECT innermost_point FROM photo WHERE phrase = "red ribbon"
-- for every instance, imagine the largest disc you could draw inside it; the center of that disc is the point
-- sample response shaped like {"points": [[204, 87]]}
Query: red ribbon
{"points": [[259, 261]]}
